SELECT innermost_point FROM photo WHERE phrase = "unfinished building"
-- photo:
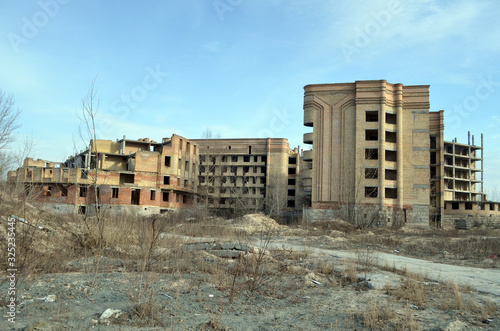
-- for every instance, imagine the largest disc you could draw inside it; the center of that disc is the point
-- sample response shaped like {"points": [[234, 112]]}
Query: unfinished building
{"points": [[378, 156], [370, 155], [148, 177], [125, 175], [249, 174]]}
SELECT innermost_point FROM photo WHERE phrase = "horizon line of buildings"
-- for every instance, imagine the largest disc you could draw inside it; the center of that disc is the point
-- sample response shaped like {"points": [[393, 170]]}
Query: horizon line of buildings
{"points": [[378, 158]]}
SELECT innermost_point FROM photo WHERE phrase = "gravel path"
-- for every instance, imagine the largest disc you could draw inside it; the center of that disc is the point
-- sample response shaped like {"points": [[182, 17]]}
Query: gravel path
{"points": [[483, 280]]}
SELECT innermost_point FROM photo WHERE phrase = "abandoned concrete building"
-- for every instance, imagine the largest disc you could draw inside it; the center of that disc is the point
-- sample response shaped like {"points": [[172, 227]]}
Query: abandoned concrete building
{"points": [[258, 174], [148, 177], [379, 156], [135, 175]]}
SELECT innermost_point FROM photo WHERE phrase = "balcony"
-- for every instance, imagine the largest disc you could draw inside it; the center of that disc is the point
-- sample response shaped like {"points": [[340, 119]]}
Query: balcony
{"points": [[308, 155], [309, 116], [308, 138]]}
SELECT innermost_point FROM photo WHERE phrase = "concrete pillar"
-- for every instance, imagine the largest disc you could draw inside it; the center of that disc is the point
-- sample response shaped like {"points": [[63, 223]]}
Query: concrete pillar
{"points": [[399, 142]]}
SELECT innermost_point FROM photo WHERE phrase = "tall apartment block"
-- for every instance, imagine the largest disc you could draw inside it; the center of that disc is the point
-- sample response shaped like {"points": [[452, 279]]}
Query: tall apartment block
{"points": [[370, 150], [142, 176], [249, 174]]}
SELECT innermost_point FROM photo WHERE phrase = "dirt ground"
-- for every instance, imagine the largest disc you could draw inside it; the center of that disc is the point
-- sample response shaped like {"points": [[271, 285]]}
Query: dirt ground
{"points": [[254, 274]]}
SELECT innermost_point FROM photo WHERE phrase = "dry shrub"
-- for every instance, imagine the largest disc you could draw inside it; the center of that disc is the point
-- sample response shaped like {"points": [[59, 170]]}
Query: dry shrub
{"points": [[412, 289], [350, 272], [377, 315], [145, 297]]}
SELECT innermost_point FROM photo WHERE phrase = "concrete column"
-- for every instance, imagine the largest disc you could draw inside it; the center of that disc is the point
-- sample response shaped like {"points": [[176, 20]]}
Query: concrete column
{"points": [[381, 152], [399, 142]]}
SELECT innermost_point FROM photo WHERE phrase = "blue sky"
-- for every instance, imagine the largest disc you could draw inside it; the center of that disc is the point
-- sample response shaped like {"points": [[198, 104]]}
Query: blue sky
{"points": [[238, 67]]}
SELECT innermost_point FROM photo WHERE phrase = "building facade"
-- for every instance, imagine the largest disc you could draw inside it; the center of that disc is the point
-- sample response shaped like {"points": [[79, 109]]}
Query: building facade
{"points": [[148, 177], [249, 174], [370, 150], [125, 175], [379, 156]]}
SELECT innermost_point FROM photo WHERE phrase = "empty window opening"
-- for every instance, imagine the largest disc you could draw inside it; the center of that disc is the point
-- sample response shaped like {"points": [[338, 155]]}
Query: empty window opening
{"points": [[292, 160], [185, 199], [165, 196], [371, 135], [167, 161], [188, 146], [390, 137], [245, 169], [229, 147], [391, 193], [83, 192], [371, 154], [433, 142], [126, 179], [390, 118], [291, 193], [371, 192], [468, 205], [153, 195], [180, 144], [455, 205], [114, 192], [433, 157], [433, 172], [371, 173], [291, 204], [179, 164], [84, 174], [492, 206], [391, 156], [135, 197], [166, 180], [255, 159], [263, 158], [391, 174], [64, 191], [185, 183], [292, 171], [234, 158], [372, 116], [246, 158], [291, 181], [249, 149], [82, 210], [186, 167]]}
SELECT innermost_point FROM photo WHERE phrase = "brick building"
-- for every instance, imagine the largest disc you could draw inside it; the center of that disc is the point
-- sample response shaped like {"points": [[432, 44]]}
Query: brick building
{"points": [[378, 156], [134, 175], [249, 174]]}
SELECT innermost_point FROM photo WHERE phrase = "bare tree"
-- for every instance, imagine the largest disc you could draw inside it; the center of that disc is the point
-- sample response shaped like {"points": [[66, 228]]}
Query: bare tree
{"points": [[209, 190], [277, 196], [9, 117], [95, 226]]}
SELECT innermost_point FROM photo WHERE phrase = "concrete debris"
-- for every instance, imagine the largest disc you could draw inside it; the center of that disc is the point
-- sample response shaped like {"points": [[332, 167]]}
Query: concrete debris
{"points": [[225, 250], [108, 313]]}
